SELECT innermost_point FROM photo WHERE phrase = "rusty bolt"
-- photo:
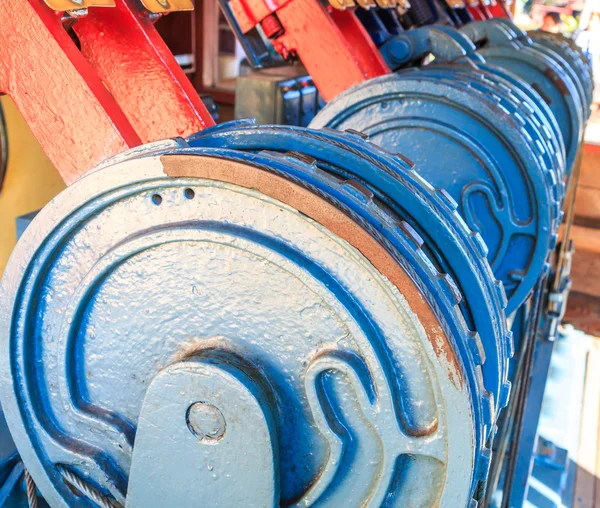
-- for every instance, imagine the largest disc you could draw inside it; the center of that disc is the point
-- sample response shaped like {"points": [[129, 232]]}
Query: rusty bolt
{"points": [[272, 26]]}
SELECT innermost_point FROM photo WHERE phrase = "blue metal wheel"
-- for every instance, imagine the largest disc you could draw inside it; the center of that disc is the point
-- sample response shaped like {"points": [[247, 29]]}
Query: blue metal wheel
{"points": [[323, 298], [490, 167]]}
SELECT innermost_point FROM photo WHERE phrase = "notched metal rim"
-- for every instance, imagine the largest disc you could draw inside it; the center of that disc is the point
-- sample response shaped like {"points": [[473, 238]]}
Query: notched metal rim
{"points": [[176, 166]]}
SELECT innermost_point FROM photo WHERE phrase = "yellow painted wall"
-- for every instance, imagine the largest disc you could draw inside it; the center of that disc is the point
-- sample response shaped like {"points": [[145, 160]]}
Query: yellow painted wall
{"points": [[31, 180]]}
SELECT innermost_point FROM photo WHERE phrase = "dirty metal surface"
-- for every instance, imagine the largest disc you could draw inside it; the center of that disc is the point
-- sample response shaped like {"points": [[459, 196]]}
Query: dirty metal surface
{"points": [[504, 192], [72, 5], [342, 332], [54, 88], [142, 74], [409, 199], [163, 6]]}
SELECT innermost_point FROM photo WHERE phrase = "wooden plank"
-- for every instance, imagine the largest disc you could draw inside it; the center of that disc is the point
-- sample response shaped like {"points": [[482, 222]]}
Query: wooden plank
{"points": [[585, 272], [590, 176], [588, 457], [583, 312], [587, 207], [585, 239]]}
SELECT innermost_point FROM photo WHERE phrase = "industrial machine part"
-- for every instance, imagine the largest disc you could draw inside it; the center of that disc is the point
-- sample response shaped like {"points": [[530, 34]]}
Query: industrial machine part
{"points": [[545, 71], [299, 308], [504, 188], [277, 96], [260, 273]]}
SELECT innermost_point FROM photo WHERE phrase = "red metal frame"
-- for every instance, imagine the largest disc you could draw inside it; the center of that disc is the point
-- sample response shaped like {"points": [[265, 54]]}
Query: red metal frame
{"points": [[138, 68], [333, 45], [498, 9], [124, 87], [84, 109], [476, 12]]}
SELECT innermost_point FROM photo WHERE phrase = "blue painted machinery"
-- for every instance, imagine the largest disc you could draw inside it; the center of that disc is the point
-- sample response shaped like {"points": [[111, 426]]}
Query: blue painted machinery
{"points": [[345, 314]]}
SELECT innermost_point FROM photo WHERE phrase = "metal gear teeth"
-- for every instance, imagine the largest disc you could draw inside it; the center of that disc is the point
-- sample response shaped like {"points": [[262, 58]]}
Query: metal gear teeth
{"points": [[501, 292], [408, 230], [484, 465], [476, 348], [504, 394], [448, 200], [510, 341]]}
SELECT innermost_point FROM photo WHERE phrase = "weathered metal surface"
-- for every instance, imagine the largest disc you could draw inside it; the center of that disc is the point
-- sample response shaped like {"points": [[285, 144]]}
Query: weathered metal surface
{"points": [[63, 94], [205, 424], [329, 316], [508, 194], [161, 6], [142, 74], [69, 110], [72, 5]]}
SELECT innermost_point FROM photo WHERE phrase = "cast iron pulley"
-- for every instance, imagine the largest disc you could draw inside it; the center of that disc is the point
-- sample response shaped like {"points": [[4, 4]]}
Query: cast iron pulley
{"points": [[575, 58], [542, 69], [397, 186], [505, 187], [192, 314]]}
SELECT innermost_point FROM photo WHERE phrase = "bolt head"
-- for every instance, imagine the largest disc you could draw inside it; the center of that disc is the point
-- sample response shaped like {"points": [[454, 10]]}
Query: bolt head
{"points": [[206, 422]]}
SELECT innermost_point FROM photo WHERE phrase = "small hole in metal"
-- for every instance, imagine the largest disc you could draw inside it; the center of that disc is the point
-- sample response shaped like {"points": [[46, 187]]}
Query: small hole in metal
{"points": [[157, 199], [189, 193]]}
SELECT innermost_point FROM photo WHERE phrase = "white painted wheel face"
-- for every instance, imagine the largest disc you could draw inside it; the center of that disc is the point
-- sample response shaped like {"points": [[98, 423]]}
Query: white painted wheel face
{"points": [[138, 271]]}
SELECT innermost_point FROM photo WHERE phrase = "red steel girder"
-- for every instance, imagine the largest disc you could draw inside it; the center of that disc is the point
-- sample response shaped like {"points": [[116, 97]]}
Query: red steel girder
{"points": [[142, 74], [122, 89], [498, 9], [334, 47], [475, 12], [71, 113]]}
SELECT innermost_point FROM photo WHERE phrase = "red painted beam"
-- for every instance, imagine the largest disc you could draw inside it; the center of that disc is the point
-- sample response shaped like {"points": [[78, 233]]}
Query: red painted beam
{"points": [[336, 60], [498, 9], [475, 12], [68, 109], [140, 71]]}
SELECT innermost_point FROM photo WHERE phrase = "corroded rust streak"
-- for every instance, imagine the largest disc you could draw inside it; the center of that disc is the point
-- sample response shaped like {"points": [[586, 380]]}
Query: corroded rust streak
{"points": [[332, 218], [557, 80]]}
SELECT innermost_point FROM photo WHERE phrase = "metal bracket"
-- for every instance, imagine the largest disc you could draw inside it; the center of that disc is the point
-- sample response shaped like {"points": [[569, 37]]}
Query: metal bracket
{"points": [[206, 431], [73, 5], [161, 6], [445, 44]]}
